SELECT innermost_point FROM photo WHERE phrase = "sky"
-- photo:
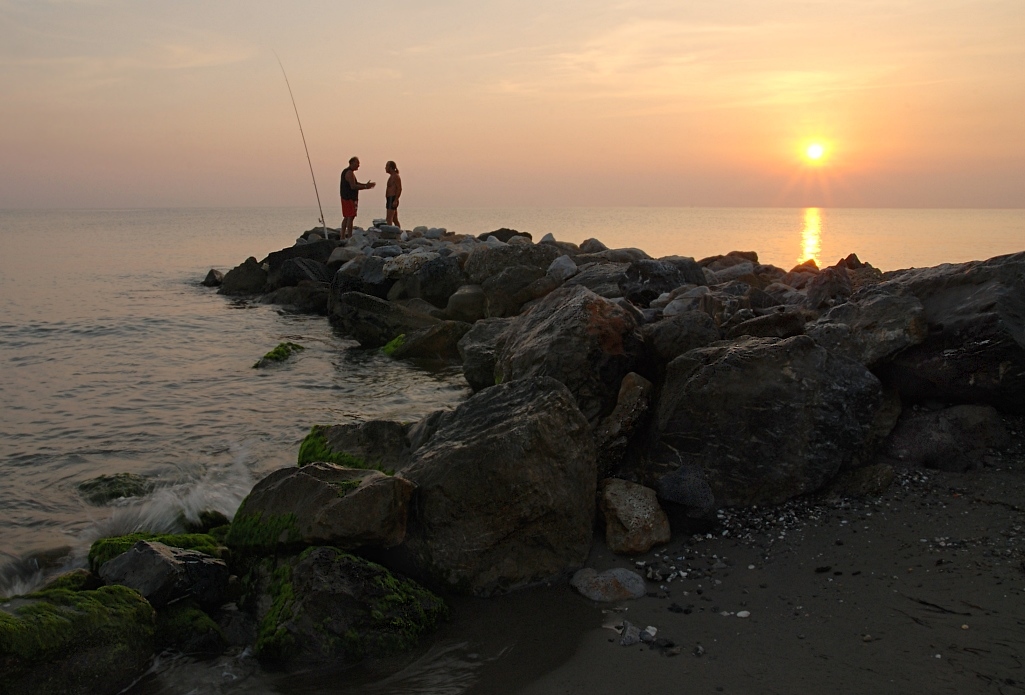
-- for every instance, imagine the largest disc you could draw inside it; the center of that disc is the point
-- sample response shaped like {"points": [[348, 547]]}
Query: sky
{"points": [[137, 103]]}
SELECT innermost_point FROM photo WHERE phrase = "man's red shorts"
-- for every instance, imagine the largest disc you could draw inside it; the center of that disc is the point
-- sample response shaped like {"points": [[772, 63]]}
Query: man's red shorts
{"points": [[349, 208]]}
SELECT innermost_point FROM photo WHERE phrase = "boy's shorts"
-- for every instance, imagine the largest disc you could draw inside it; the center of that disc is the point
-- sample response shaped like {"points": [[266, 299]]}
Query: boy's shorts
{"points": [[391, 202]]}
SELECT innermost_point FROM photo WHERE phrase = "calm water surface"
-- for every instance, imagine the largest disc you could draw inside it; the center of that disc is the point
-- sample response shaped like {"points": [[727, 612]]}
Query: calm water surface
{"points": [[114, 359]]}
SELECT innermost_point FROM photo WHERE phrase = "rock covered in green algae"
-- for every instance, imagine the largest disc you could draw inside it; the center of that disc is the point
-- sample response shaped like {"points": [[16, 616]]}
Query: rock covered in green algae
{"points": [[108, 548], [71, 642], [107, 488], [185, 627], [279, 354], [328, 606], [380, 445]]}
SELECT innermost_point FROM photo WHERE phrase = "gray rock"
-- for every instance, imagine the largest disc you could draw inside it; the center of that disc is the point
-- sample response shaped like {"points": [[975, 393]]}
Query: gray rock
{"points": [[778, 324], [376, 444], [646, 279], [437, 280], [831, 286], [329, 505], [305, 298], [163, 574], [953, 439], [601, 278], [872, 326], [686, 495], [617, 584], [592, 246], [372, 321], [975, 349], [485, 260], [507, 290], [562, 268], [676, 334], [296, 270], [505, 490], [466, 304], [766, 419], [213, 279], [583, 340], [434, 342], [479, 348], [247, 278]]}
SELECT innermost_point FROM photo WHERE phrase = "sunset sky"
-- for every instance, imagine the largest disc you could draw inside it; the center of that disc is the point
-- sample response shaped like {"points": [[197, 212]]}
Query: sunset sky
{"points": [[134, 103]]}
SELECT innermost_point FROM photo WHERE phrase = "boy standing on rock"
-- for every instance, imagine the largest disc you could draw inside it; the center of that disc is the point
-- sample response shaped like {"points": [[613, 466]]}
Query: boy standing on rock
{"points": [[349, 190], [392, 193]]}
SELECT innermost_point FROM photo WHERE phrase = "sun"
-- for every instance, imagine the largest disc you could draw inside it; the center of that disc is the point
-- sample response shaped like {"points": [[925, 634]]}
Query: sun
{"points": [[815, 151]]}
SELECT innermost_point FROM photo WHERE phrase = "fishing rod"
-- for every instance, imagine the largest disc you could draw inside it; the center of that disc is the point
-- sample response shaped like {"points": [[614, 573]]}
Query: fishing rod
{"points": [[323, 224]]}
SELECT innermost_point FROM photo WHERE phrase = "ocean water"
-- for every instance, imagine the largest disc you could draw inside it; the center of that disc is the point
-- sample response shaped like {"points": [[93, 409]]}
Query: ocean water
{"points": [[114, 359]]}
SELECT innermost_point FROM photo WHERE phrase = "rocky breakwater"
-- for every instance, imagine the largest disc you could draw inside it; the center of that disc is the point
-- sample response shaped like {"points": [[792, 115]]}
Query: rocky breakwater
{"points": [[616, 397]]}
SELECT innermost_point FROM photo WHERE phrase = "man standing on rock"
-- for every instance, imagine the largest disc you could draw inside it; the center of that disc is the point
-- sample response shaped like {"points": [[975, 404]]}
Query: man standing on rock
{"points": [[349, 190]]}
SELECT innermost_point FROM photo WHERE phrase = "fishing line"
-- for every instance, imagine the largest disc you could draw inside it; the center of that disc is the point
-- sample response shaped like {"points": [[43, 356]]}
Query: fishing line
{"points": [[296, 109]]}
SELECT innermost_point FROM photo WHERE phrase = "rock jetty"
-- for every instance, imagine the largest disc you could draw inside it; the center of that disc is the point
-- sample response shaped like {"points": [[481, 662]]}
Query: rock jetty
{"points": [[616, 397]]}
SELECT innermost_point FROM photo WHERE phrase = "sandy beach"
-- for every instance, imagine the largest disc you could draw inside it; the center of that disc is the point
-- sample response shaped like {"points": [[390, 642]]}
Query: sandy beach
{"points": [[919, 590]]}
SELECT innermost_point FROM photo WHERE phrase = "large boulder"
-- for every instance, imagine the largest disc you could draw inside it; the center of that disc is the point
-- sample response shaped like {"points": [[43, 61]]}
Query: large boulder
{"points": [[604, 279], [319, 251], [674, 335], [975, 349], [486, 260], [374, 322], [326, 607], [585, 341], [372, 445], [162, 574], [466, 304], [952, 439], [64, 642], [479, 348], [328, 504], [296, 270], [306, 298], [775, 324], [434, 342], [436, 280], [872, 326], [647, 279], [766, 419], [505, 490], [506, 290], [247, 278]]}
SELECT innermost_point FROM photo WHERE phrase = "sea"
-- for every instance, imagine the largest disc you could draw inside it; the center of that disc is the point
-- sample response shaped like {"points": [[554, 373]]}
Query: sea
{"points": [[114, 358]]}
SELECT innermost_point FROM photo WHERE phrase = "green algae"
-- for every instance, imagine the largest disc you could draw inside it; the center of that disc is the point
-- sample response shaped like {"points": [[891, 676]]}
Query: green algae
{"points": [[274, 642], [279, 354], [38, 632], [257, 534], [185, 627], [344, 487], [107, 488], [315, 447], [394, 344], [389, 615], [75, 580], [108, 548]]}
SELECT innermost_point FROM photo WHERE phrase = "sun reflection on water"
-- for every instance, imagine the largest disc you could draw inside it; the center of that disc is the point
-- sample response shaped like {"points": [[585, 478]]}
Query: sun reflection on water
{"points": [[811, 238]]}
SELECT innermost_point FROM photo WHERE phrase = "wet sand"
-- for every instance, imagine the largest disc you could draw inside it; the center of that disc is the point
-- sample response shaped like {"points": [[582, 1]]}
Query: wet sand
{"points": [[919, 591]]}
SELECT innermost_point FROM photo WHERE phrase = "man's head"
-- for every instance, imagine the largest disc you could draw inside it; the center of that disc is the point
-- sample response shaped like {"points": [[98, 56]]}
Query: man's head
{"points": [[354, 162], [391, 168]]}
